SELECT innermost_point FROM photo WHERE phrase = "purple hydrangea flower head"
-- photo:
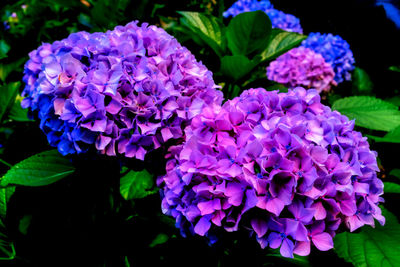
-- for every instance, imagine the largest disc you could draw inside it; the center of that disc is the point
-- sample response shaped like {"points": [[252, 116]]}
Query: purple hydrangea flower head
{"points": [[302, 67], [280, 164], [278, 18], [126, 91], [335, 51]]}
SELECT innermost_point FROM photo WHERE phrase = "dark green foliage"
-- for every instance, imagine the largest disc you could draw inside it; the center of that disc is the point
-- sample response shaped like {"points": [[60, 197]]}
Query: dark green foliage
{"points": [[41, 169], [369, 112], [248, 32], [372, 247], [137, 184]]}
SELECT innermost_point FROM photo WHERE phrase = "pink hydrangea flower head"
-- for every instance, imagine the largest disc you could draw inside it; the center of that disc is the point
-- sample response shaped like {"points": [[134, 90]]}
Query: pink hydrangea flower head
{"points": [[302, 67]]}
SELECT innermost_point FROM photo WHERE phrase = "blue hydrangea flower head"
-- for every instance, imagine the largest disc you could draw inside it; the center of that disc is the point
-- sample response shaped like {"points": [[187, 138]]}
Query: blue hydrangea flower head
{"points": [[335, 51], [278, 18], [281, 20], [241, 6]]}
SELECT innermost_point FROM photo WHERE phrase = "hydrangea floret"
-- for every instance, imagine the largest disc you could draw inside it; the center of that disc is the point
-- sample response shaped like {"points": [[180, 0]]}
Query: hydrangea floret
{"points": [[302, 67], [281, 165], [335, 51], [278, 18], [127, 91]]}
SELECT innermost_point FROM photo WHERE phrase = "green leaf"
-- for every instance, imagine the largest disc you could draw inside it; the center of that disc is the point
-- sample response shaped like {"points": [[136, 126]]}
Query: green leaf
{"points": [[395, 68], [302, 261], [8, 93], [281, 42], [4, 48], [41, 169], [372, 247], [208, 28], [135, 185], [391, 137], [248, 32], [391, 187], [127, 264], [394, 100], [6, 246], [369, 112], [85, 20], [277, 86], [6, 69], [361, 81], [395, 173], [236, 66], [24, 224], [160, 239], [17, 113], [5, 195], [7, 251], [55, 23]]}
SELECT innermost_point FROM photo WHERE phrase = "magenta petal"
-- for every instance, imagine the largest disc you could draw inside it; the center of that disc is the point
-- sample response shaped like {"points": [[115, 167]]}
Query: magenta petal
{"points": [[287, 248], [283, 137], [58, 105], [314, 132], [254, 149], [348, 207], [259, 226], [380, 218], [275, 206], [53, 69], [236, 117], [306, 215], [166, 134], [195, 108], [296, 229], [353, 222], [102, 141], [320, 212], [217, 218], [251, 200], [202, 226], [206, 207], [85, 106], [323, 241], [362, 188], [113, 107], [141, 153], [235, 193], [319, 154], [234, 170], [263, 242], [192, 212], [302, 248], [274, 240]]}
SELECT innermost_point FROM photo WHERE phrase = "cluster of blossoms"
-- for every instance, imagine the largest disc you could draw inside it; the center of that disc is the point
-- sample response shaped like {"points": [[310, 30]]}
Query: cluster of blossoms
{"points": [[335, 51], [280, 164], [278, 18], [126, 91], [10, 20], [302, 67]]}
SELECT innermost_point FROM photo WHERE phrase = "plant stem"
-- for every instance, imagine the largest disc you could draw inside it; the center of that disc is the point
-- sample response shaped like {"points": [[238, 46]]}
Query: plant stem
{"points": [[6, 163]]}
